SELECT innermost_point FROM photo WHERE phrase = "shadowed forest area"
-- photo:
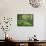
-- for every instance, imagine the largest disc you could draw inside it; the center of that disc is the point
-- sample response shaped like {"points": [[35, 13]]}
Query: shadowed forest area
{"points": [[25, 20]]}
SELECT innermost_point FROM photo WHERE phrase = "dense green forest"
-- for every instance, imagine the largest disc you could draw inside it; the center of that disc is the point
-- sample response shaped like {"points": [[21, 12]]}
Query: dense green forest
{"points": [[24, 20]]}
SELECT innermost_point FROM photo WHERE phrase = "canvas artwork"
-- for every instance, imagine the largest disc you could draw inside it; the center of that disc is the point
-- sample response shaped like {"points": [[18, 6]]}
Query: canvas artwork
{"points": [[24, 19]]}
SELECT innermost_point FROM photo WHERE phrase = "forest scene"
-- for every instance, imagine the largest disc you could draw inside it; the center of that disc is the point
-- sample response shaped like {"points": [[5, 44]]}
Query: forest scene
{"points": [[24, 19]]}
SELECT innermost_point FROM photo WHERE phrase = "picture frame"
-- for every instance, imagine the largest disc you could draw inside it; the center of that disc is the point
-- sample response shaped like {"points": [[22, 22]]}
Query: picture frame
{"points": [[24, 19]]}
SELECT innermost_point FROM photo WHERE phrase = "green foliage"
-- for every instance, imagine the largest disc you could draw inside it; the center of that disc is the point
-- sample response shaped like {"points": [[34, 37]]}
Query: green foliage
{"points": [[25, 20]]}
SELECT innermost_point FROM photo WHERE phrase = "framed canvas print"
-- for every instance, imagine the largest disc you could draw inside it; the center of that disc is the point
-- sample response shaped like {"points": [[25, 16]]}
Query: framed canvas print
{"points": [[24, 19]]}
